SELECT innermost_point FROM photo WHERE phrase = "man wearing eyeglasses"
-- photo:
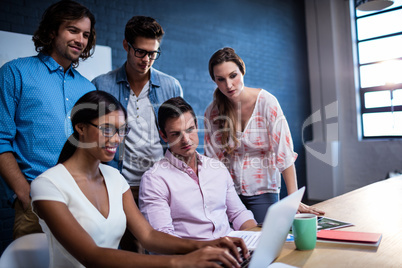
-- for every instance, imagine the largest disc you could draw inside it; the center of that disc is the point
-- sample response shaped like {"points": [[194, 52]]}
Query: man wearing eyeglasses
{"points": [[141, 89]]}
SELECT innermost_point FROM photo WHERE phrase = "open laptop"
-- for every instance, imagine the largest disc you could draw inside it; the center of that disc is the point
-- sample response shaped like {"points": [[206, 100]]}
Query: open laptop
{"points": [[275, 229]]}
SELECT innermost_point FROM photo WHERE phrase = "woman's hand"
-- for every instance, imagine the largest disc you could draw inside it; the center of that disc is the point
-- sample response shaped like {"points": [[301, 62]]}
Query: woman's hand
{"points": [[209, 256], [232, 244], [303, 208]]}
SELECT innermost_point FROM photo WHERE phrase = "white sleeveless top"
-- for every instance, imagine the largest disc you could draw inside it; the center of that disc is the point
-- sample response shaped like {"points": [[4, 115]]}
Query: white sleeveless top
{"points": [[57, 184]]}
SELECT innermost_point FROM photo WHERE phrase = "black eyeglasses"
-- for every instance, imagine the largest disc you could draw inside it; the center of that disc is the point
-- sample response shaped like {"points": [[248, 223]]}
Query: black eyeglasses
{"points": [[110, 131], [141, 53]]}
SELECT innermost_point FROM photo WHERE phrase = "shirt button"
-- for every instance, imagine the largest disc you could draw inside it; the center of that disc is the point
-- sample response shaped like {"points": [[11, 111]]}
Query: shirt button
{"points": [[138, 108], [67, 99], [61, 68]]}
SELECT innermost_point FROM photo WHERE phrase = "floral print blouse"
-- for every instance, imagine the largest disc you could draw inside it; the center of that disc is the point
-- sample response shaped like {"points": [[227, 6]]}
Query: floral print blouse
{"points": [[265, 147]]}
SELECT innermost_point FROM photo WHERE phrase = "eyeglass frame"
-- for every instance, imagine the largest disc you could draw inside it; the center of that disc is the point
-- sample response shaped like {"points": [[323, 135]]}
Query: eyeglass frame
{"points": [[116, 130], [139, 50]]}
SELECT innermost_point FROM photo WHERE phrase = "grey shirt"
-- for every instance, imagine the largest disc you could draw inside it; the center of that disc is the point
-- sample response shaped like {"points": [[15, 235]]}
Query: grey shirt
{"points": [[142, 145], [162, 88]]}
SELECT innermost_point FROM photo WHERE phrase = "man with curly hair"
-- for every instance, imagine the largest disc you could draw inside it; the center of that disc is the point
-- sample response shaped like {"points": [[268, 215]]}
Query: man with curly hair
{"points": [[36, 96]]}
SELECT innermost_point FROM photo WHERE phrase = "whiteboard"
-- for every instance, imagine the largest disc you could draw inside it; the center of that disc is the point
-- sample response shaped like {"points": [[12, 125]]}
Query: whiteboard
{"points": [[16, 45]]}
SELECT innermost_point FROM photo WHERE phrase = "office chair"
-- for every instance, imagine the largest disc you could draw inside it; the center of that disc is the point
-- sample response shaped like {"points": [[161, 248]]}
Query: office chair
{"points": [[27, 251]]}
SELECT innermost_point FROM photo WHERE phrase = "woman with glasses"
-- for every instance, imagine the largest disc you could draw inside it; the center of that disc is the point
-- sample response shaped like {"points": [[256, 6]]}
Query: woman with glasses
{"points": [[246, 129], [84, 206]]}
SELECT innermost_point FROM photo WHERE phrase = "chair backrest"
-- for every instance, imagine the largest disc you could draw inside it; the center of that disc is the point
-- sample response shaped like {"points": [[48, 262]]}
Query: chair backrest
{"points": [[27, 251]]}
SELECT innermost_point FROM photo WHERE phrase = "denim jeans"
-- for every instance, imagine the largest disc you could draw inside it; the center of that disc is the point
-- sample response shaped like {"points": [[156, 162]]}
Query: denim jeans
{"points": [[259, 204]]}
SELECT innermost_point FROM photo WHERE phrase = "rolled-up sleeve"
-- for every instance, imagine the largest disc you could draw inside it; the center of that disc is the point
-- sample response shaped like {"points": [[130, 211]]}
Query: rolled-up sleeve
{"points": [[9, 80]]}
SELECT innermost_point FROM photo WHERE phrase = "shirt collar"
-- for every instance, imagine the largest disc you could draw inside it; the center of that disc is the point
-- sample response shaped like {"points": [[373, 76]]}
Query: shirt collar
{"points": [[154, 78], [176, 162], [52, 65], [122, 76]]}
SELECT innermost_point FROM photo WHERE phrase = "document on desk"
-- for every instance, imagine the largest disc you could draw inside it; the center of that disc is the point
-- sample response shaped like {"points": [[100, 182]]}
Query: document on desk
{"points": [[325, 223]]}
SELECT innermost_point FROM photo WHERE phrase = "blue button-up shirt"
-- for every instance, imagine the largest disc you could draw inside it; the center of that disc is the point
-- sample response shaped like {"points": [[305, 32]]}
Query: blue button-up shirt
{"points": [[162, 88], [36, 98]]}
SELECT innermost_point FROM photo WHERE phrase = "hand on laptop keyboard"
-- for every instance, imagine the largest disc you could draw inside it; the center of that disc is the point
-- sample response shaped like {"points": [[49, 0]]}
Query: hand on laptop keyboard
{"points": [[234, 244], [245, 261]]}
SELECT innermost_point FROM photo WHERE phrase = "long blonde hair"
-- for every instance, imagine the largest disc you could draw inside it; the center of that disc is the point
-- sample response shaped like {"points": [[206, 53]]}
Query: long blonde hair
{"points": [[227, 111]]}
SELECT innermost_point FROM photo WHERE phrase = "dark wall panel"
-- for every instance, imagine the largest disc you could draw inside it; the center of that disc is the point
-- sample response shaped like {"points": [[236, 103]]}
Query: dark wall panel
{"points": [[269, 36]]}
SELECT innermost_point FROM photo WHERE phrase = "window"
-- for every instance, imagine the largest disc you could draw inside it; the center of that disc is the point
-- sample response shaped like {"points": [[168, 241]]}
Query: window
{"points": [[379, 46]]}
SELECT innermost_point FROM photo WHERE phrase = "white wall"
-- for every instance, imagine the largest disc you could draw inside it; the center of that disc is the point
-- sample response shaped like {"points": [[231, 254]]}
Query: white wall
{"points": [[347, 162], [15, 45]]}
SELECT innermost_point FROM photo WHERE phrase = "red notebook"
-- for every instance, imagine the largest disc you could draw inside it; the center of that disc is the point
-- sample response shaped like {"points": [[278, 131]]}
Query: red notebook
{"points": [[348, 237]]}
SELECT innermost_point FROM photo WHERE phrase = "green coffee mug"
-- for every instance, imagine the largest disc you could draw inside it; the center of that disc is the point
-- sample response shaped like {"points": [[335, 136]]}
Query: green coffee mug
{"points": [[304, 231]]}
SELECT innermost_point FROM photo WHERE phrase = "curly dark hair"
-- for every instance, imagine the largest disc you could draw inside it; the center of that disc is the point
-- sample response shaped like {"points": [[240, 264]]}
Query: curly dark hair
{"points": [[53, 17]]}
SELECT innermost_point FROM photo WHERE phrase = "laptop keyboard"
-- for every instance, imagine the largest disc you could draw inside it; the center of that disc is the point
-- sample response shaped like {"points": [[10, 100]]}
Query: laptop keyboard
{"points": [[246, 262]]}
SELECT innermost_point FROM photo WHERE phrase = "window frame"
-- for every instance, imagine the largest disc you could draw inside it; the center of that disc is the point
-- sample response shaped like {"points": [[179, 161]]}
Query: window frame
{"points": [[362, 91]]}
